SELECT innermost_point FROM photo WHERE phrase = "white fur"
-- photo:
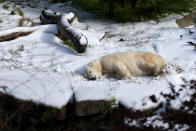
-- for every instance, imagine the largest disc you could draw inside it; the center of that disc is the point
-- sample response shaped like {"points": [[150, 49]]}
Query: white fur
{"points": [[125, 64]]}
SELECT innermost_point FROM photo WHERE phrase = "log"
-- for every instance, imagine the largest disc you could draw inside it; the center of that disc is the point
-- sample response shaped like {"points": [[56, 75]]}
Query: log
{"points": [[11, 34], [65, 28], [49, 17], [80, 41], [80, 37]]}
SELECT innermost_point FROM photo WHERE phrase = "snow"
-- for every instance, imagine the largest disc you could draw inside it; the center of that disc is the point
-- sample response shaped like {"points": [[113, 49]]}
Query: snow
{"points": [[42, 87], [139, 94], [83, 40], [155, 121], [70, 16], [39, 67], [101, 93], [93, 37], [43, 28]]}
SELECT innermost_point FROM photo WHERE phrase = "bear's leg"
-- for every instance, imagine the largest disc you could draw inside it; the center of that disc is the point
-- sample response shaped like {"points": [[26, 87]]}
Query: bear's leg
{"points": [[149, 67], [157, 70], [121, 71]]}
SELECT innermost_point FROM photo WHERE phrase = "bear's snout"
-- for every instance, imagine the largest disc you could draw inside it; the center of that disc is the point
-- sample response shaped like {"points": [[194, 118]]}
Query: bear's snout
{"points": [[92, 78]]}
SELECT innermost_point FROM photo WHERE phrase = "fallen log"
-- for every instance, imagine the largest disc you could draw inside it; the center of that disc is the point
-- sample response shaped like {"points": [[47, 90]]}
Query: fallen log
{"points": [[49, 17], [64, 25], [11, 34], [80, 37]]}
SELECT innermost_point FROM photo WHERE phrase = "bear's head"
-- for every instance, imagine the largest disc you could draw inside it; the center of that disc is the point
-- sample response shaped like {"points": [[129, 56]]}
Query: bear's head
{"points": [[93, 70]]}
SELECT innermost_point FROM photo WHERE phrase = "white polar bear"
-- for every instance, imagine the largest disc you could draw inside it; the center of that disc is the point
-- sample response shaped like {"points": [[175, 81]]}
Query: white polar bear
{"points": [[125, 64]]}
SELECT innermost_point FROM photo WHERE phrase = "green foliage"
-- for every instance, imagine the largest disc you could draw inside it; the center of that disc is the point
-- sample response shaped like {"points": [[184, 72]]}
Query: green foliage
{"points": [[112, 106], [2, 1], [143, 10], [88, 4], [55, 1], [1, 21], [70, 44], [193, 20], [6, 7], [4, 88]]}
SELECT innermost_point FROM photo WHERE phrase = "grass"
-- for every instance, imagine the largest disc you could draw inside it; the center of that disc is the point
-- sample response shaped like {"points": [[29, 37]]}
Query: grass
{"points": [[70, 44], [20, 12], [17, 11], [27, 20]]}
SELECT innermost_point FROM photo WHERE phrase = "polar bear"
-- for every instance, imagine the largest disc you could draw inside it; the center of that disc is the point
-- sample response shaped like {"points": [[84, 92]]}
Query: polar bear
{"points": [[125, 64]]}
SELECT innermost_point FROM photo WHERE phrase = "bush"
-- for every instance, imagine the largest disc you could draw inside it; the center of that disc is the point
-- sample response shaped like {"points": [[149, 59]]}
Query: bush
{"points": [[6, 7], [93, 5], [142, 10], [2, 1]]}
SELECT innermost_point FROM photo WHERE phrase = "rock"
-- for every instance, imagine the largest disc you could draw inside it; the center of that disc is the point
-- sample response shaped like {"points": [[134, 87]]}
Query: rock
{"points": [[93, 100], [86, 108], [121, 40], [29, 109], [26, 22], [187, 20]]}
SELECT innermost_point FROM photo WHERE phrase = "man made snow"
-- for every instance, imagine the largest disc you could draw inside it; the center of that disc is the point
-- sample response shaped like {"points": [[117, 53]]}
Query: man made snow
{"points": [[39, 67]]}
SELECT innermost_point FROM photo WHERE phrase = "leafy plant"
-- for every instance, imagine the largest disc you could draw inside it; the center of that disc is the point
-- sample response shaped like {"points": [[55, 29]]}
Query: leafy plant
{"points": [[6, 7], [70, 44], [112, 106], [4, 88]]}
